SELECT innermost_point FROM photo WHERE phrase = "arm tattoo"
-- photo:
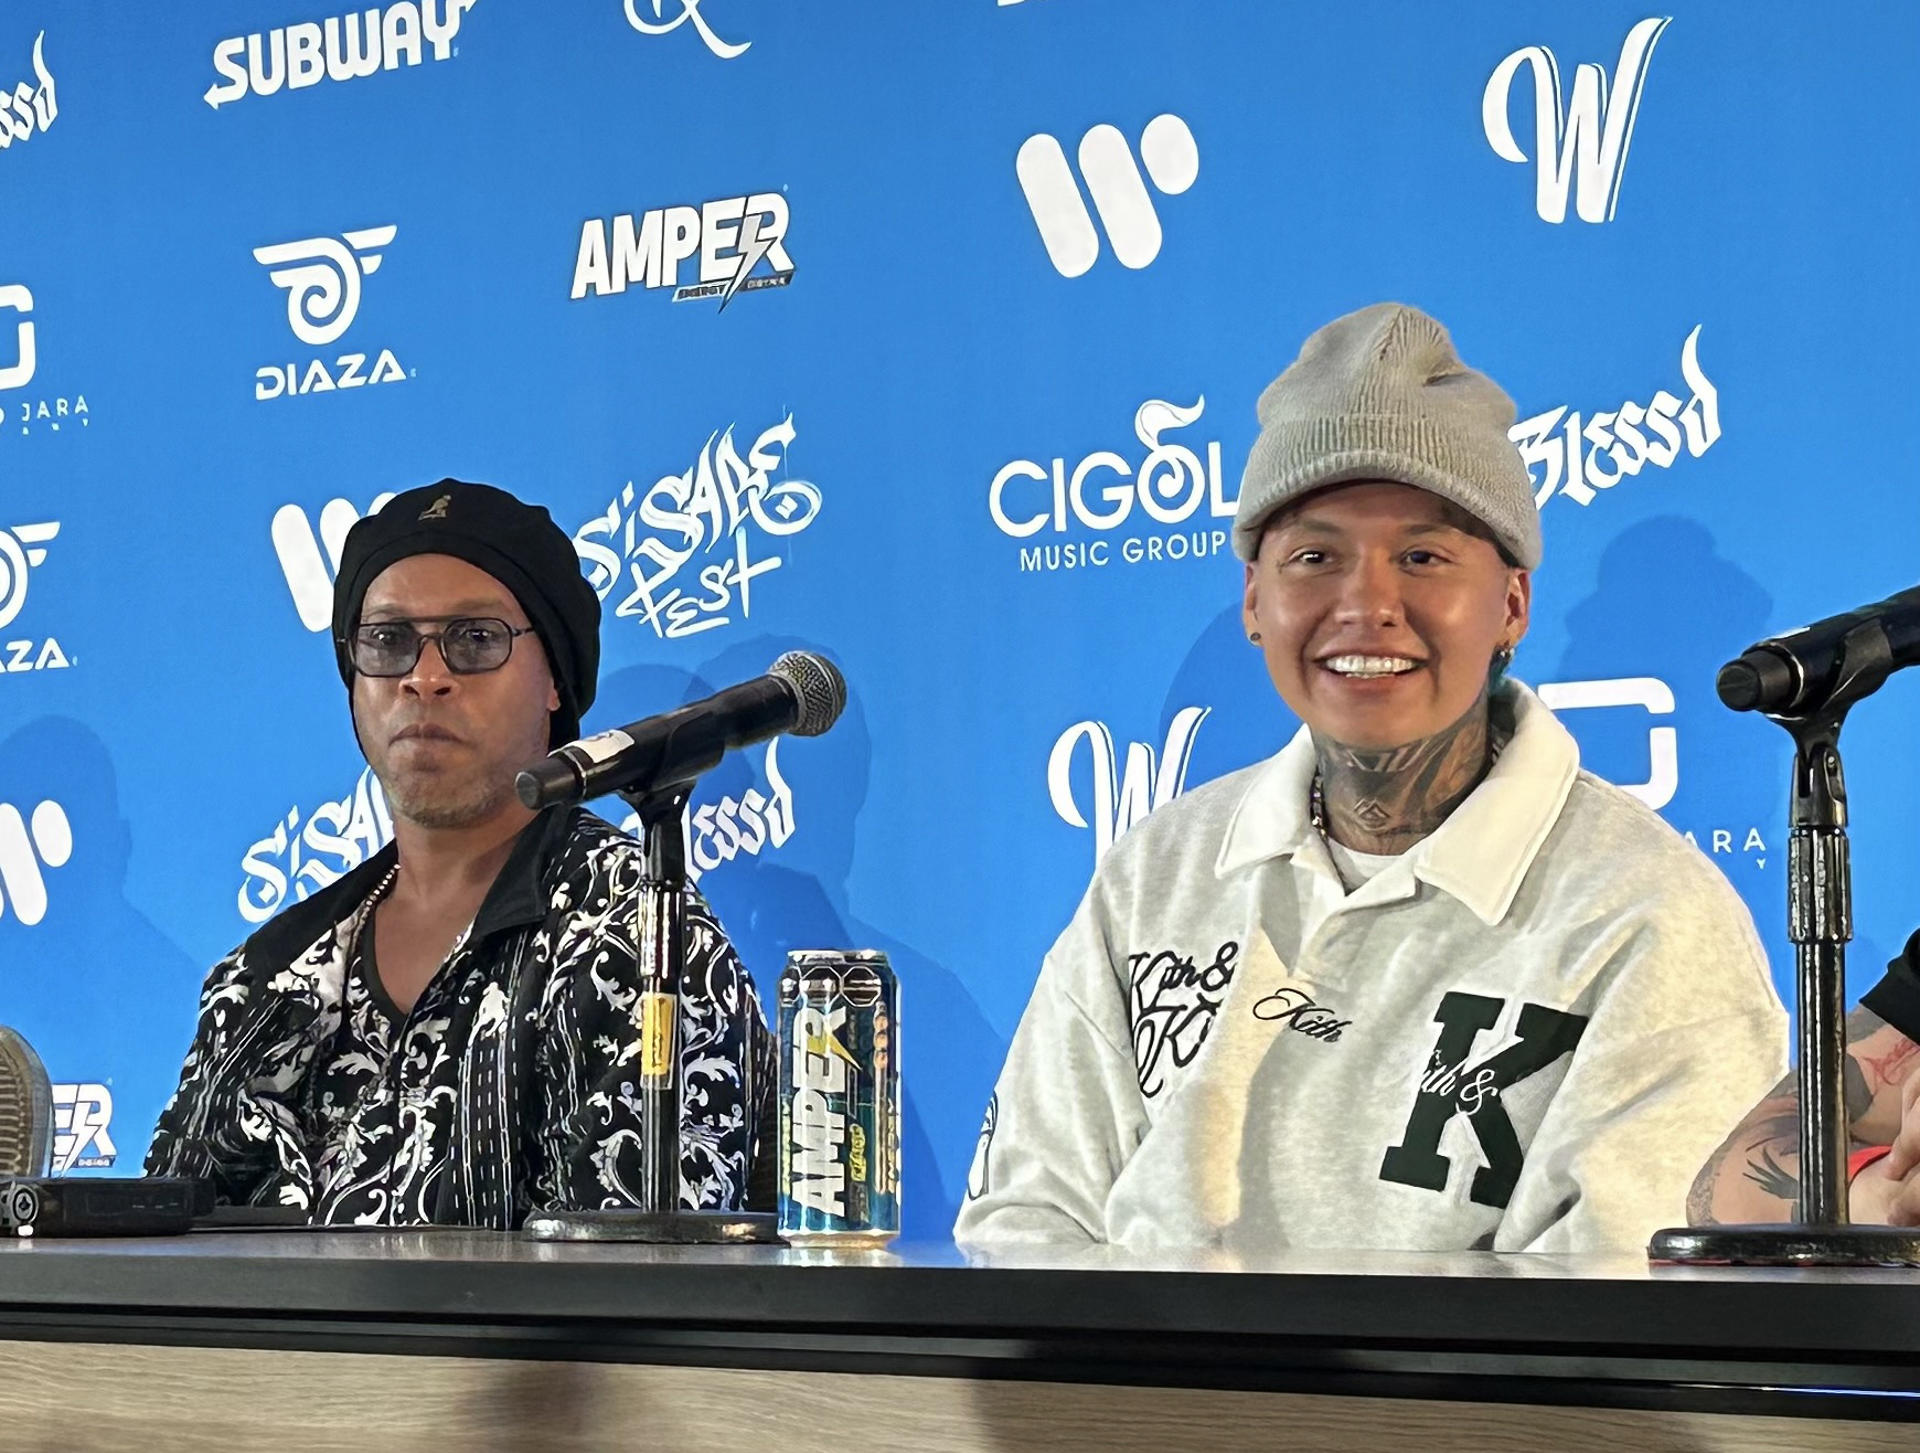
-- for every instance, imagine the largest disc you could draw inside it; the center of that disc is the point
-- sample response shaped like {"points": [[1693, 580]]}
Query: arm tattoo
{"points": [[1772, 1177], [1892, 1067], [1384, 800]]}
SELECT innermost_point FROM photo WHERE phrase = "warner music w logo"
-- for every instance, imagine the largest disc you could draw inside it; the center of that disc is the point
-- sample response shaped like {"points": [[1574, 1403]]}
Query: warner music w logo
{"points": [[309, 575], [26, 843], [1582, 146], [1113, 180], [1121, 796]]}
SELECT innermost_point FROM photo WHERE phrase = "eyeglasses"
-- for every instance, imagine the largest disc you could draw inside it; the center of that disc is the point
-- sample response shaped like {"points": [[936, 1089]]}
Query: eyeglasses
{"points": [[391, 648]]}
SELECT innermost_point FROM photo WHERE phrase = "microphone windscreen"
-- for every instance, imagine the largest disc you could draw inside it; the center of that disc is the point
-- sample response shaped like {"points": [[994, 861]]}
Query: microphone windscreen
{"points": [[818, 684]]}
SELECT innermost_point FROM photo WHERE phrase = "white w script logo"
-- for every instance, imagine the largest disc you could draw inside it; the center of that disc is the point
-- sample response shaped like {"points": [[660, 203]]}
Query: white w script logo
{"points": [[1584, 145], [1121, 796], [322, 278]]}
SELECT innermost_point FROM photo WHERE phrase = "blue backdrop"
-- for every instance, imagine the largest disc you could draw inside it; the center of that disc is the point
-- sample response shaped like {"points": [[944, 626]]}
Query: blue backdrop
{"points": [[924, 335]]}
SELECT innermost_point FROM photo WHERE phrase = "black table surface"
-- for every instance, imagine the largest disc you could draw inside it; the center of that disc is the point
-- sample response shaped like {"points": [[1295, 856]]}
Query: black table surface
{"points": [[1529, 1327]]}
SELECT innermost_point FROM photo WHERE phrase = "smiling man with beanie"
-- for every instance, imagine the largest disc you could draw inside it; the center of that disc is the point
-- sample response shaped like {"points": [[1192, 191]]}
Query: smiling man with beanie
{"points": [[1417, 981], [448, 1033]]}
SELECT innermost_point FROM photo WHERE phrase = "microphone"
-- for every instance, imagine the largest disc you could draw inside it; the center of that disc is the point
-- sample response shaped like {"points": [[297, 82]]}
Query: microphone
{"points": [[1800, 671], [801, 693]]}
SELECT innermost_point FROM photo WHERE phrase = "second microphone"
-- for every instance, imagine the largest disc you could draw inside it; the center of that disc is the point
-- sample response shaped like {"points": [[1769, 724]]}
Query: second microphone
{"points": [[801, 693]]}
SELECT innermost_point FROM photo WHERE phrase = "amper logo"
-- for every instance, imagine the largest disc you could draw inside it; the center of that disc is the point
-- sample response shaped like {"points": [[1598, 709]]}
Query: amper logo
{"points": [[82, 1119], [1171, 158], [310, 575], [1582, 146], [731, 236], [20, 372], [27, 844]]}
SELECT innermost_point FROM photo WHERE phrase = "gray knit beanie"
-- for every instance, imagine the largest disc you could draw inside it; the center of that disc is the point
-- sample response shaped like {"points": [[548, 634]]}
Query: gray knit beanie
{"points": [[1380, 394]]}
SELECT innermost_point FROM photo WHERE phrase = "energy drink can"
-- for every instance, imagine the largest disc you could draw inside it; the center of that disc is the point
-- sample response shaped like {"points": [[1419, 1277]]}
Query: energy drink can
{"points": [[839, 1098]]}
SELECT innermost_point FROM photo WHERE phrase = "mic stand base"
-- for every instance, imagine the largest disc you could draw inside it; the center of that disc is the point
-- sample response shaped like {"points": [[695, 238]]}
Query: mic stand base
{"points": [[1786, 1245], [661, 1228]]}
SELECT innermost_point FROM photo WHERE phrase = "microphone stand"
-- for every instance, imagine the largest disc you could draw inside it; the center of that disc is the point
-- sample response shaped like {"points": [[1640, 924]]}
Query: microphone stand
{"points": [[660, 943], [1819, 922]]}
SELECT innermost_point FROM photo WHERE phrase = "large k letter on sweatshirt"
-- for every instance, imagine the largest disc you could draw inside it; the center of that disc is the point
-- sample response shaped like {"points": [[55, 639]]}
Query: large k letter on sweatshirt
{"points": [[1526, 1033]]}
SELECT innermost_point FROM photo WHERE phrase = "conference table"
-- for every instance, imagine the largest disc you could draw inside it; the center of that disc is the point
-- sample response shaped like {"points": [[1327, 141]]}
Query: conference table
{"points": [[456, 1339]]}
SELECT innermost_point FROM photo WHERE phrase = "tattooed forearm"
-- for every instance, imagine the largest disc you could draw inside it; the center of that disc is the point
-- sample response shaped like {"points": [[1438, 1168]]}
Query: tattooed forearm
{"points": [[1891, 1068], [1385, 800], [1772, 1177], [1728, 1187]]}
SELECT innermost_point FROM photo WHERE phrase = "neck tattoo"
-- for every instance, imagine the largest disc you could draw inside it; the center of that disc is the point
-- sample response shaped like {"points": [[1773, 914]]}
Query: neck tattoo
{"points": [[1383, 800]]}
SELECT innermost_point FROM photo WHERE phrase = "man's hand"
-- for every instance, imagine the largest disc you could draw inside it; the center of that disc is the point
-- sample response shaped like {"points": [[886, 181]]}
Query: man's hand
{"points": [[1896, 1187]]}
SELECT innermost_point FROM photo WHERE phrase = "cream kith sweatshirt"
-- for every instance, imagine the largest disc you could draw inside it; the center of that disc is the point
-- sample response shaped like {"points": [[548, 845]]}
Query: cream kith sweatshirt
{"points": [[1526, 1034]]}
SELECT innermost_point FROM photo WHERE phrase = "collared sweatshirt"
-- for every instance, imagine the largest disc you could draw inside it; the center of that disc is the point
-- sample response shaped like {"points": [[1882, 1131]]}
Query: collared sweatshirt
{"points": [[1527, 1033]]}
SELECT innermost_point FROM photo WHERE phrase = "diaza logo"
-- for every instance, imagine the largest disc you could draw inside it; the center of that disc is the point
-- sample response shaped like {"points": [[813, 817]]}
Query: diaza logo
{"points": [[1171, 159], [688, 14], [21, 549], [731, 236], [298, 545], [82, 1123], [1171, 486], [343, 48], [1120, 796], [308, 850], [25, 109], [27, 844], [1573, 456], [1581, 147], [652, 539], [322, 277]]}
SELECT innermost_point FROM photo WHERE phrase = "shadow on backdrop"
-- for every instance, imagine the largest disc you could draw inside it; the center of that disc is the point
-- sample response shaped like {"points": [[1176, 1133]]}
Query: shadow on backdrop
{"points": [[1732, 788], [1247, 721], [773, 850], [99, 991]]}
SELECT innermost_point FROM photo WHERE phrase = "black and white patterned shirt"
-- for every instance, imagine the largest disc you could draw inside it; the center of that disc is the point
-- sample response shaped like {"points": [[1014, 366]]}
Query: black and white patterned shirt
{"points": [[510, 1085]]}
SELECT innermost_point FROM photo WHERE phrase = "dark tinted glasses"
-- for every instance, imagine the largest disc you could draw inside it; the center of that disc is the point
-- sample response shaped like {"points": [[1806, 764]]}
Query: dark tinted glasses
{"points": [[390, 648]]}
